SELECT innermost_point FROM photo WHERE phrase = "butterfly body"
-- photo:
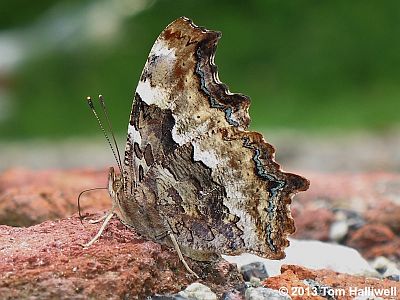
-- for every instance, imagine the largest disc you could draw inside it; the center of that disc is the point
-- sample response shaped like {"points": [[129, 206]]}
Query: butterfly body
{"points": [[191, 167]]}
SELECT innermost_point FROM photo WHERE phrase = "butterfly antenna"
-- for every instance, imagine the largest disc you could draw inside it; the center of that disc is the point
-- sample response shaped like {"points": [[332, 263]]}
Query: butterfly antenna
{"points": [[79, 200], [117, 158], [103, 106]]}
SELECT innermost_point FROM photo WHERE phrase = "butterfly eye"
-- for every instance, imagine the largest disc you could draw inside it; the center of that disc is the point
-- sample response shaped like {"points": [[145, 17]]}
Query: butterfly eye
{"points": [[117, 185]]}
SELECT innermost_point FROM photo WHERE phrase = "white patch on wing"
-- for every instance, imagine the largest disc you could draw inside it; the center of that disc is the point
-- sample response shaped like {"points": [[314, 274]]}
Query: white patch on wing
{"points": [[158, 66], [160, 48], [134, 134], [180, 132], [208, 157], [152, 95], [134, 137], [234, 200]]}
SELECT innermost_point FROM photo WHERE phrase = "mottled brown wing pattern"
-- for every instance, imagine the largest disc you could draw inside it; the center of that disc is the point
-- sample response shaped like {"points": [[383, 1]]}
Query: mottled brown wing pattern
{"points": [[190, 163]]}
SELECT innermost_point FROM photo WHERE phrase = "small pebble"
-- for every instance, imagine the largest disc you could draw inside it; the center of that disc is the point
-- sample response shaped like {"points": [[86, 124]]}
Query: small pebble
{"points": [[386, 267], [262, 293], [338, 230], [393, 277], [198, 291], [255, 269], [232, 295], [353, 219]]}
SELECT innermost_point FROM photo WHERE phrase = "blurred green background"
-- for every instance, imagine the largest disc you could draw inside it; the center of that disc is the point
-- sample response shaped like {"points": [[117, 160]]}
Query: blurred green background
{"points": [[307, 65]]}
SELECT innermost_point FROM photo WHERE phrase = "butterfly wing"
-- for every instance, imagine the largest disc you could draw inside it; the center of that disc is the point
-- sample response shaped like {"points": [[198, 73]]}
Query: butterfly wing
{"points": [[216, 185]]}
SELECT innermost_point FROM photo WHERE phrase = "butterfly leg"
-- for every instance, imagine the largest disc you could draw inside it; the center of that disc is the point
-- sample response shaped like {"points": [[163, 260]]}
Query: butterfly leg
{"points": [[178, 250], [107, 217], [99, 219]]}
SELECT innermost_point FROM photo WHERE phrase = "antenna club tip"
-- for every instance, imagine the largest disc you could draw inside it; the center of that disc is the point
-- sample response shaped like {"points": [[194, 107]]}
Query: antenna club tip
{"points": [[101, 99], [90, 102]]}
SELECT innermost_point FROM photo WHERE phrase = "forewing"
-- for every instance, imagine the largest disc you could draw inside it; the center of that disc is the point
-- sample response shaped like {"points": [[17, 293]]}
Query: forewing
{"points": [[217, 185]]}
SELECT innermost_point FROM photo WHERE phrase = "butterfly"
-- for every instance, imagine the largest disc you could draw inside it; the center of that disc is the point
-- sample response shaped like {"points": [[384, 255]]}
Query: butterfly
{"points": [[193, 177]]}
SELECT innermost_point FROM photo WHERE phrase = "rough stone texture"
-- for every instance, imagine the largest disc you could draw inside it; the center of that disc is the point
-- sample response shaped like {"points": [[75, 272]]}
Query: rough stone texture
{"points": [[232, 295], [30, 197], [375, 240], [313, 223], [47, 261], [255, 269], [386, 213], [293, 277], [369, 203]]}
